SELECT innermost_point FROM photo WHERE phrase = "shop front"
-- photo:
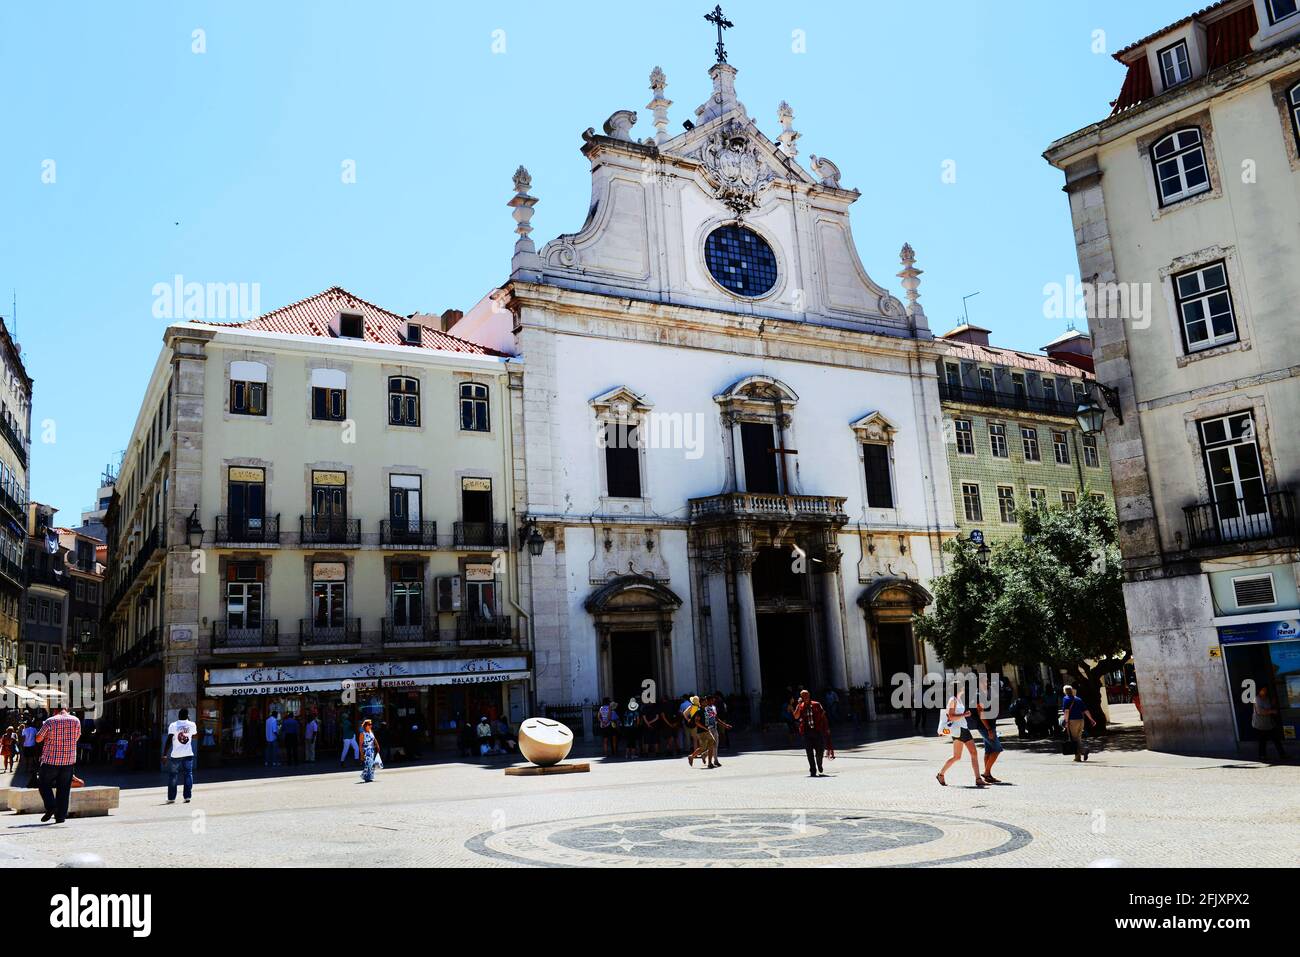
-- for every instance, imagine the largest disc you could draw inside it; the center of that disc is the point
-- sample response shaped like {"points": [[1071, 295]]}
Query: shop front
{"points": [[1263, 654], [415, 705]]}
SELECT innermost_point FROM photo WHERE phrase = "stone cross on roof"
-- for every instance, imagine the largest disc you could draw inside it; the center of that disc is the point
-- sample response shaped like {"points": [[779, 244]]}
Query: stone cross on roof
{"points": [[722, 23]]}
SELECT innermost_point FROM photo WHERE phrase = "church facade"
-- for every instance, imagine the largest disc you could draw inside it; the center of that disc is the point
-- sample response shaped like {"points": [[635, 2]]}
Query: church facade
{"points": [[728, 437]]}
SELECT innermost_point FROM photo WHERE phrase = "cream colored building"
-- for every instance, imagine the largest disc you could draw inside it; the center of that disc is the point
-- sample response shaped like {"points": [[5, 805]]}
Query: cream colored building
{"points": [[15, 452], [1188, 197], [350, 472]]}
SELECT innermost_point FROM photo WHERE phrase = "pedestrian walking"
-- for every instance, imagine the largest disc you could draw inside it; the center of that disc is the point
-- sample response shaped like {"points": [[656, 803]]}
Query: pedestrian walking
{"points": [[699, 730], [953, 722], [273, 739], [9, 747], [815, 729], [369, 745], [31, 753], [987, 725], [289, 732], [1264, 719], [717, 726], [1074, 711], [349, 740], [178, 755], [309, 738], [58, 738]]}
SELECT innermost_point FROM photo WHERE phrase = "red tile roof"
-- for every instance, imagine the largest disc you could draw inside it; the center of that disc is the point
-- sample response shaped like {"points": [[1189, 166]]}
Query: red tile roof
{"points": [[993, 355], [312, 317], [1227, 38]]}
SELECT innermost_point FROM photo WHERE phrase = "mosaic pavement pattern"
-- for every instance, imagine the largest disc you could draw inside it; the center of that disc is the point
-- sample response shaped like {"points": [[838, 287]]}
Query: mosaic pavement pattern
{"points": [[771, 837]]}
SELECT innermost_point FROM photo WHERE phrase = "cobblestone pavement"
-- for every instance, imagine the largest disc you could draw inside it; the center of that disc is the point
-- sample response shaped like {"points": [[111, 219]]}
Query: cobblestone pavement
{"points": [[879, 805]]}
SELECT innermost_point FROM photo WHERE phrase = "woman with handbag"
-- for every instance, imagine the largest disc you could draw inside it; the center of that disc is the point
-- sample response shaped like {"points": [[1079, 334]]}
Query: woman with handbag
{"points": [[369, 750], [953, 722]]}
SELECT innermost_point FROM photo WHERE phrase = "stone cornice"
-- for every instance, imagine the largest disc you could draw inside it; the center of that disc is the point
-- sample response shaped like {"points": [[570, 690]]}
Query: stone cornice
{"points": [[572, 313]]}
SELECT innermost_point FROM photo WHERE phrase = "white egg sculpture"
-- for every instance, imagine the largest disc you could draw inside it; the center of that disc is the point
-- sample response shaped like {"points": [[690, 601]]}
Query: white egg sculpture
{"points": [[544, 742]]}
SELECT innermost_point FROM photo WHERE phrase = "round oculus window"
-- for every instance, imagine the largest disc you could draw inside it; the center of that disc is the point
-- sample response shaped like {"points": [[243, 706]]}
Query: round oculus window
{"points": [[740, 260]]}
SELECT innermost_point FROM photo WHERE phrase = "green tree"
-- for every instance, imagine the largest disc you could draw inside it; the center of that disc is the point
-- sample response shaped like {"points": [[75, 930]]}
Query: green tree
{"points": [[1055, 596]]}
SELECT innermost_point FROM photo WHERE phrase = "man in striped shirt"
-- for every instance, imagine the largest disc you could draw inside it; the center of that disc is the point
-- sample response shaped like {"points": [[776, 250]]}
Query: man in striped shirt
{"points": [[58, 739]]}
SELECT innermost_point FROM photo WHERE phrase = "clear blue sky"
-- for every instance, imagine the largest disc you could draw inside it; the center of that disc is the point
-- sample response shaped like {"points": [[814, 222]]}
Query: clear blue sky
{"points": [[225, 166]]}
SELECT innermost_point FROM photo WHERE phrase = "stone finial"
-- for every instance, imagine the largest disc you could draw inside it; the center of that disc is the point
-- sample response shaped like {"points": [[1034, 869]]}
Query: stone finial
{"points": [[619, 125], [523, 204], [827, 171], [723, 100], [787, 135], [911, 277], [659, 104]]}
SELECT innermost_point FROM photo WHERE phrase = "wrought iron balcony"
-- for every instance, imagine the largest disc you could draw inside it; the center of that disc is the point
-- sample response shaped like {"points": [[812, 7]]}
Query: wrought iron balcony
{"points": [[410, 634], [247, 530], [763, 505], [140, 652], [1267, 515], [498, 628], [16, 509], [990, 398], [264, 635], [347, 633], [14, 440], [329, 530], [401, 533], [479, 535]]}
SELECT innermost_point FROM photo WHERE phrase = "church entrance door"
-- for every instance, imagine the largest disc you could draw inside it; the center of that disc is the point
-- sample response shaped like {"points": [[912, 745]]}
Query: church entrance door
{"points": [[632, 662]]}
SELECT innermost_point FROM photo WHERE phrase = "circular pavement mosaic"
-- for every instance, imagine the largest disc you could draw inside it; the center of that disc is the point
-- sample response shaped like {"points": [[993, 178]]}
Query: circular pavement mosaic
{"points": [[773, 837]]}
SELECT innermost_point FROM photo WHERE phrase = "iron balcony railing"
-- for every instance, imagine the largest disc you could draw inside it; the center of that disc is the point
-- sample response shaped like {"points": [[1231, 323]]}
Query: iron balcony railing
{"points": [[410, 634], [347, 633], [139, 652], [263, 635], [409, 533], [477, 628], [1252, 518], [479, 535], [769, 505], [12, 570], [329, 530], [991, 398], [16, 509], [14, 440], [48, 576], [246, 529]]}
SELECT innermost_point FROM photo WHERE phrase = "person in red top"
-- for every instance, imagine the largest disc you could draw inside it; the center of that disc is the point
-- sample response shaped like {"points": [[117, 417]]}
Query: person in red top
{"points": [[58, 740], [810, 718]]}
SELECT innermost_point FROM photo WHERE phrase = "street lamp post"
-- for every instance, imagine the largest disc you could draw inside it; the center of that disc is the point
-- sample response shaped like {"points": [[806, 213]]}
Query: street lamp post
{"points": [[1090, 414]]}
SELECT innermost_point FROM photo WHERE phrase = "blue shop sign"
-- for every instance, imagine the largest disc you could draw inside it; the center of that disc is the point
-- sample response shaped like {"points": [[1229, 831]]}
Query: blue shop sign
{"points": [[1259, 631]]}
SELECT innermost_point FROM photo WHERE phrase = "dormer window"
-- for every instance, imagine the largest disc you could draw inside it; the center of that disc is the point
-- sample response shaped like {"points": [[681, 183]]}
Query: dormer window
{"points": [[413, 334], [1175, 67], [351, 326], [1179, 162], [1279, 10]]}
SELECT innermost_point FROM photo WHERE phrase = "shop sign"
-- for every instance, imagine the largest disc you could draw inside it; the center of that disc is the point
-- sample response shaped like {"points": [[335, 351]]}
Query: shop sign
{"points": [[244, 474], [1259, 631], [480, 573], [329, 572], [479, 678], [277, 688], [181, 634], [476, 484], [369, 675], [329, 478]]}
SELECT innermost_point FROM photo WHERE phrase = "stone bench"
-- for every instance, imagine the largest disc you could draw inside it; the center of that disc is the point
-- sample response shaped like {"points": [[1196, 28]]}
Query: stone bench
{"points": [[85, 802]]}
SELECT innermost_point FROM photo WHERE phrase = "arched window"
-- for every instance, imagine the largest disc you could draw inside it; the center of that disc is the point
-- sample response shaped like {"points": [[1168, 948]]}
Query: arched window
{"points": [[1179, 163], [1293, 105], [403, 400], [474, 407]]}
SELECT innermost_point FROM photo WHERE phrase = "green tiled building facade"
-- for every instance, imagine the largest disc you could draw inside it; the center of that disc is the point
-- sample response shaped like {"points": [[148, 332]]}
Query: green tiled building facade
{"points": [[1010, 430]]}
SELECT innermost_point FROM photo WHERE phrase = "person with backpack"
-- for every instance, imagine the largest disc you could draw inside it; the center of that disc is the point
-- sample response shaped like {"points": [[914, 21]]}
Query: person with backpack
{"points": [[698, 730], [1074, 711], [606, 717], [815, 729], [631, 731]]}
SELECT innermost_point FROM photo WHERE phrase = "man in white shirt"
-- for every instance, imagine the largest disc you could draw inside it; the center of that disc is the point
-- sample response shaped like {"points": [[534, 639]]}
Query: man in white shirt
{"points": [[309, 738], [273, 739], [178, 754]]}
